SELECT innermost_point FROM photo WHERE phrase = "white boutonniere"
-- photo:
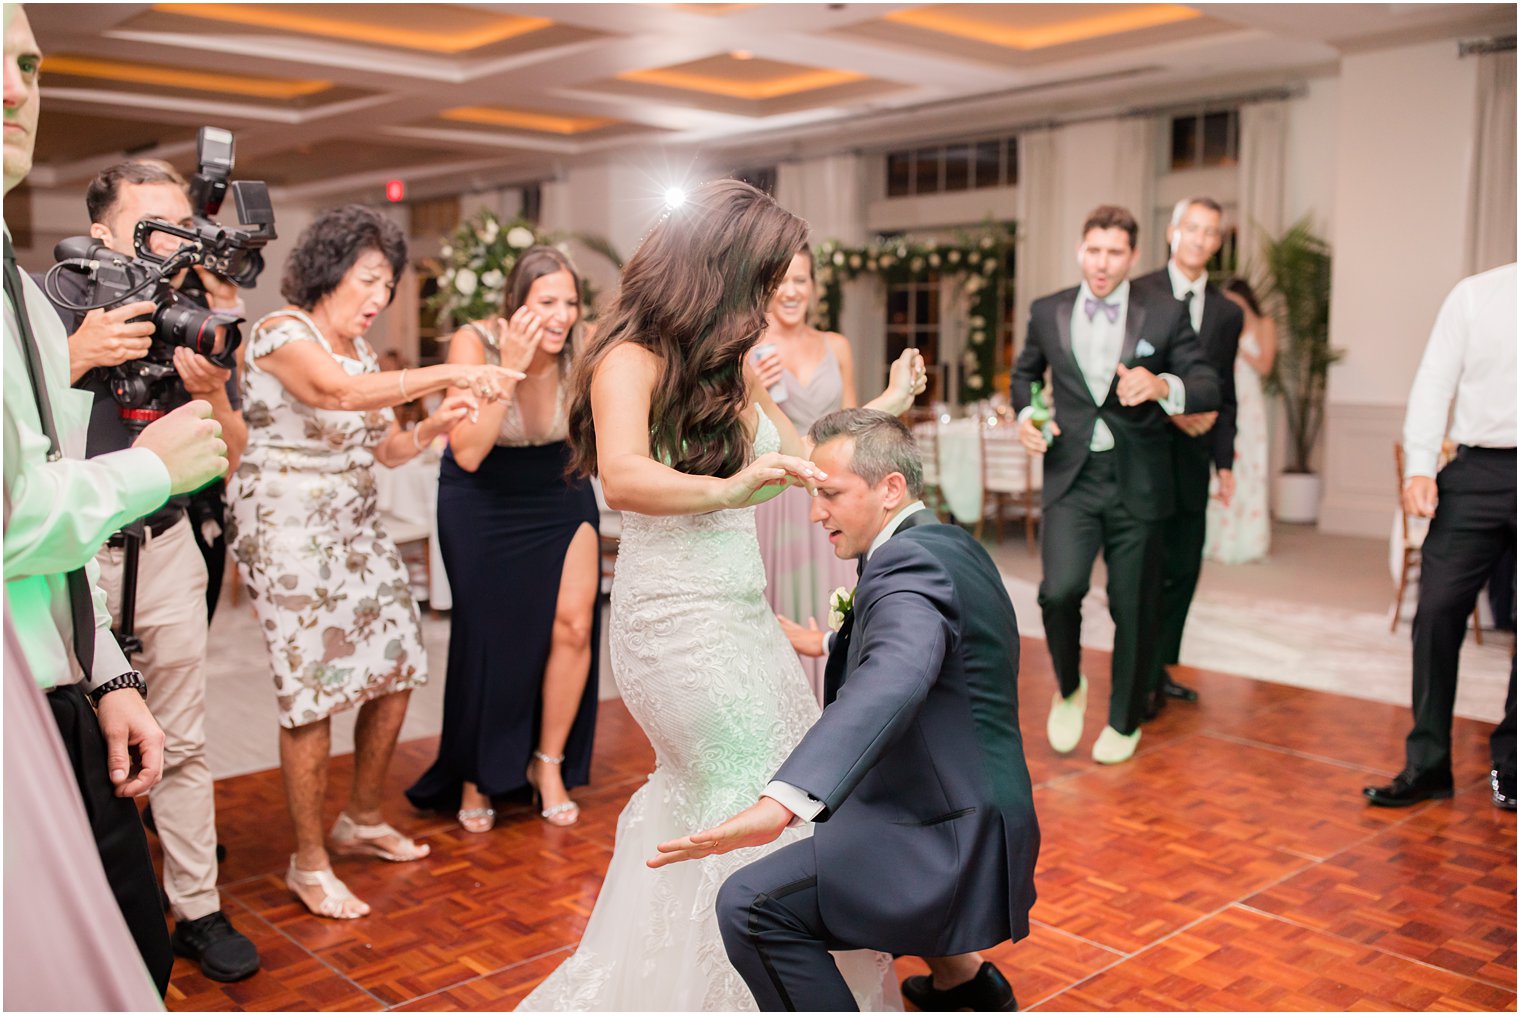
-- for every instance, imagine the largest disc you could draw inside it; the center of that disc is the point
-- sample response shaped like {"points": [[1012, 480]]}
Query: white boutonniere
{"points": [[1144, 348], [841, 602]]}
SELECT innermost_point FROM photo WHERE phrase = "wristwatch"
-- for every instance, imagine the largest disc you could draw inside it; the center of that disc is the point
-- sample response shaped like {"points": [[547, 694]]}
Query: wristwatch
{"points": [[131, 678]]}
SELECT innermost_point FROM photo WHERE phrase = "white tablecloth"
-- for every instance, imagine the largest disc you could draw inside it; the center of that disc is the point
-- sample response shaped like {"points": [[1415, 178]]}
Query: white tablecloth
{"points": [[960, 468], [408, 497]]}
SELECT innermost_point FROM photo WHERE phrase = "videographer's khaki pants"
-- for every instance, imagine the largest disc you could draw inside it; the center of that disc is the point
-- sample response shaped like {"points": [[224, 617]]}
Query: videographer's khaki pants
{"points": [[171, 621]]}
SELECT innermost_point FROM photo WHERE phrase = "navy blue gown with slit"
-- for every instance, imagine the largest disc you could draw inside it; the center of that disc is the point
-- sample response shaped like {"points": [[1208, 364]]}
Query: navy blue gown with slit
{"points": [[503, 531]]}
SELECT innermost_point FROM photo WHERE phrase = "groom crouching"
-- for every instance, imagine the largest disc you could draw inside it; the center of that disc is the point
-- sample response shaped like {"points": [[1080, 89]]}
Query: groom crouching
{"points": [[915, 774]]}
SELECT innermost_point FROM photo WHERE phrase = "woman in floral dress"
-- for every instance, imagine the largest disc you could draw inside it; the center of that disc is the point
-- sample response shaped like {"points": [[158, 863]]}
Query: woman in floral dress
{"points": [[1241, 532], [329, 588]]}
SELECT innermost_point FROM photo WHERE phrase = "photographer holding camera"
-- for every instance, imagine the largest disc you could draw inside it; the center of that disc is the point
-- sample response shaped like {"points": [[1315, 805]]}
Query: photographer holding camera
{"points": [[166, 601]]}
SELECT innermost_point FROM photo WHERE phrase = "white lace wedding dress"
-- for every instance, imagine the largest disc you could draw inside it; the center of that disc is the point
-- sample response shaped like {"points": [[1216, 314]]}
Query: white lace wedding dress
{"points": [[705, 670]]}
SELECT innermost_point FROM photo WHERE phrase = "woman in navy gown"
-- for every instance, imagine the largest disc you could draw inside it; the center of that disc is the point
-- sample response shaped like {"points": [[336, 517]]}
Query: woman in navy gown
{"points": [[519, 542]]}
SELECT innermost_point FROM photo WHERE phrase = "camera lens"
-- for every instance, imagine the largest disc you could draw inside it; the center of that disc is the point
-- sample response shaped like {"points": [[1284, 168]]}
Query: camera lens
{"points": [[184, 323]]}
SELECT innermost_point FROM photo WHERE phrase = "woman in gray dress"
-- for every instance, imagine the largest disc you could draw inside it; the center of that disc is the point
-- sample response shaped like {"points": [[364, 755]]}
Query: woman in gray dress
{"points": [[816, 371]]}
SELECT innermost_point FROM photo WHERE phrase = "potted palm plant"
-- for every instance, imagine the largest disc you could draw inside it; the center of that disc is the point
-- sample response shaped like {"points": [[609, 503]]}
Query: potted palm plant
{"points": [[1297, 292]]}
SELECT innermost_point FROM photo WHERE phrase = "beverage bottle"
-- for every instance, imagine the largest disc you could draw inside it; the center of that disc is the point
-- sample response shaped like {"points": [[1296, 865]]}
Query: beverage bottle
{"points": [[1040, 414]]}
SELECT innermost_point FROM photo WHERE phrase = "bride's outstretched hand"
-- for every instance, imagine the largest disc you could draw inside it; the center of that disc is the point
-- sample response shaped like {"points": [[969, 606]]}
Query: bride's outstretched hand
{"points": [[753, 826], [768, 471], [907, 380]]}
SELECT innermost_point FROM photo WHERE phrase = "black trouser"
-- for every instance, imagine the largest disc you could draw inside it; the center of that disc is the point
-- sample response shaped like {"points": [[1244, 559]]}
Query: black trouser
{"points": [[1182, 549], [118, 832], [1474, 526], [1090, 516], [775, 937], [208, 505]]}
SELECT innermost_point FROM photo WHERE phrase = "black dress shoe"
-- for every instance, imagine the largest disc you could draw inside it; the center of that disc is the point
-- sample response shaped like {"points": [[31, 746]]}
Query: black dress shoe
{"points": [[1504, 790], [224, 954], [1181, 692], [1154, 703], [1406, 789], [988, 990]]}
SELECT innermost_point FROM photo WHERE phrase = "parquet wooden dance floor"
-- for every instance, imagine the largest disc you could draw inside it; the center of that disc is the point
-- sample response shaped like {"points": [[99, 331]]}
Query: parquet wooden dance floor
{"points": [[1231, 865]]}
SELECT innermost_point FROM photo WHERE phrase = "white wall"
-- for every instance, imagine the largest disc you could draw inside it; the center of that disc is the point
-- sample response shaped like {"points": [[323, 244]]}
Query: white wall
{"points": [[1404, 127], [1311, 142]]}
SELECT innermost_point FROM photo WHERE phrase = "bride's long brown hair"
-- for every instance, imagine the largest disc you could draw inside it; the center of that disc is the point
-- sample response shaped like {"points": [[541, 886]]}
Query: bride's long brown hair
{"points": [[694, 294]]}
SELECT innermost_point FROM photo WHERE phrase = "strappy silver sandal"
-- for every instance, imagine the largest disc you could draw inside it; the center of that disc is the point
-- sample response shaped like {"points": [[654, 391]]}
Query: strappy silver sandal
{"points": [[560, 815]]}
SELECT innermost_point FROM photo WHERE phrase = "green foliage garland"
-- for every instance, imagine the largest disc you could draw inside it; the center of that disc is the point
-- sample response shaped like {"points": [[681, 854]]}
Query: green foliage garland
{"points": [[478, 256], [978, 259]]}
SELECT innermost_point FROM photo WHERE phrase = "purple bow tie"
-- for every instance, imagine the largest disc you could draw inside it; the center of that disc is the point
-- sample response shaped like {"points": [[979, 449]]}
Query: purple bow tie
{"points": [[1110, 310]]}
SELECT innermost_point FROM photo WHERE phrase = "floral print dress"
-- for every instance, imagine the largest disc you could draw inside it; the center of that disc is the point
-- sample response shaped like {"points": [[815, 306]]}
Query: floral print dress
{"points": [[328, 586]]}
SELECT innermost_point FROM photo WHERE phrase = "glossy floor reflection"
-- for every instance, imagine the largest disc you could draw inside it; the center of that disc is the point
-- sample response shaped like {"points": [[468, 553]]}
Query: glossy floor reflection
{"points": [[1231, 865]]}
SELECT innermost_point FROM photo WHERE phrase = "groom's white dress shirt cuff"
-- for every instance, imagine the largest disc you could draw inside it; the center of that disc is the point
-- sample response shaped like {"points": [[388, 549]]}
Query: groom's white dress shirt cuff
{"points": [[793, 799]]}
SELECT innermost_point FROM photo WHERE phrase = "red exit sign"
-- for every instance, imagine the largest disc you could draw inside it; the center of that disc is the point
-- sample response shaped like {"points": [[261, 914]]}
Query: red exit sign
{"points": [[395, 190]]}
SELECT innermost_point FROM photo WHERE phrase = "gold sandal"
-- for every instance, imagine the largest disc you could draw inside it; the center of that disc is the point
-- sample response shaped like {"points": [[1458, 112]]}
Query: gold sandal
{"points": [[349, 838], [335, 894], [570, 809]]}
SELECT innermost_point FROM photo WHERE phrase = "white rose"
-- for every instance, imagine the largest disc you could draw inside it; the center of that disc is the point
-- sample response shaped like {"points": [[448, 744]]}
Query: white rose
{"points": [[465, 282], [934, 260], [488, 234], [986, 242], [969, 360], [887, 260], [492, 279], [978, 321], [974, 381], [954, 257], [855, 261], [973, 258], [447, 251], [978, 337], [989, 266], [519, 237], [917, 264], [838, 258]]}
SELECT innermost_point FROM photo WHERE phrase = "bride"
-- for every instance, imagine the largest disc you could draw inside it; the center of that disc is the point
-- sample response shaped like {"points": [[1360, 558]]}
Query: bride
{"points": [[686, 442]]}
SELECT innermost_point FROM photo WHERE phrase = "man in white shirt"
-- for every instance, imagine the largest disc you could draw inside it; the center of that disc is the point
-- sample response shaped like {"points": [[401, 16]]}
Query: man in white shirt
{"points": [[59, 510], [1468, 371]]}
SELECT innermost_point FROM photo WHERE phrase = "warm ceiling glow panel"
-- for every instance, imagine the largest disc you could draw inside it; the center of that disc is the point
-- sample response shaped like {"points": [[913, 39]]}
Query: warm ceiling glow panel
{"points": [[291, 18], [521, 119], [773, 88], [1075, 29], [174, 77]]}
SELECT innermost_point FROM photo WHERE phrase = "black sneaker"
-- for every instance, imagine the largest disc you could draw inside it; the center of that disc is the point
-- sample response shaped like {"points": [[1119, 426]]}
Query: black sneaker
{"points": [[224, 954], [1504, 790], [988, 990]]}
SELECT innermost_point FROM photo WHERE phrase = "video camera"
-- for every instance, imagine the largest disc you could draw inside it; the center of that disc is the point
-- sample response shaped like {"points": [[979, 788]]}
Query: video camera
{"points": [[147, 388]]}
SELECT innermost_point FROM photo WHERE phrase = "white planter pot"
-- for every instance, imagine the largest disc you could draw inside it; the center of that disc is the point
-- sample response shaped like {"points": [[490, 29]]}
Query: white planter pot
{"points": [[1298, 497]]}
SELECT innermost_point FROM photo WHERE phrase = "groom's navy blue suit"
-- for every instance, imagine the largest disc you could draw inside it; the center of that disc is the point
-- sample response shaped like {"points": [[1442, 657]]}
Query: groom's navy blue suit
{"points": [[927, 840]]}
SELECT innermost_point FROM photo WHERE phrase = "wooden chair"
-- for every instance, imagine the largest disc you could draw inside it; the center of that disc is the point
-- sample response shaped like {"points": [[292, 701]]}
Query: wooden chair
{"points": [[925, 428], [1413, 539], [1008, 479]]}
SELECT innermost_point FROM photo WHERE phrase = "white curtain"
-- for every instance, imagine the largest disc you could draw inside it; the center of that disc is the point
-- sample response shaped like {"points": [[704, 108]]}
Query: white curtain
{"points": [[1039, 267], [1135, 167], [1493, 193], [1259, 208]]}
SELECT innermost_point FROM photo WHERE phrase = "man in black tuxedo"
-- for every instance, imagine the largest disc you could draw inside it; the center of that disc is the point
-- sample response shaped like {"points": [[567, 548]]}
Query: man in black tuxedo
{"points": [[1120, 363], [926, 837], [1197, 440]]}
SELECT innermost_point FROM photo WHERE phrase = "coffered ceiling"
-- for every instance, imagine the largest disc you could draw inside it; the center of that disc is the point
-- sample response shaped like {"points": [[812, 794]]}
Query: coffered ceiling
{"points": [[331, 99]]}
